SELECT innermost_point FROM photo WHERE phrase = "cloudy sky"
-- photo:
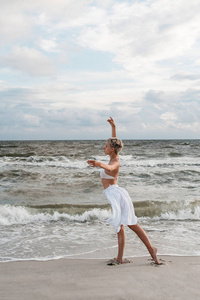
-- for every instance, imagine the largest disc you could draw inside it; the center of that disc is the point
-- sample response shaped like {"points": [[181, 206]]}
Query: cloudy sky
{"points": [[67, 65]]}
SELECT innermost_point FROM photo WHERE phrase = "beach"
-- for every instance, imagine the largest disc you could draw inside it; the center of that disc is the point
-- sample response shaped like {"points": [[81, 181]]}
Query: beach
{"points": [[176, 278]]}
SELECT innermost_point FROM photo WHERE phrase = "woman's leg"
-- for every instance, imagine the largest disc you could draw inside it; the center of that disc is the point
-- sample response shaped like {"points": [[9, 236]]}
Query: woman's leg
{"points": [[121, 244], [144, 238]]}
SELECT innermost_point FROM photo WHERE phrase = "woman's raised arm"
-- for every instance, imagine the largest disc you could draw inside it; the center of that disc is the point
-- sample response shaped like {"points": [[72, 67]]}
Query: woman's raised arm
{"points": [[112, 123]]}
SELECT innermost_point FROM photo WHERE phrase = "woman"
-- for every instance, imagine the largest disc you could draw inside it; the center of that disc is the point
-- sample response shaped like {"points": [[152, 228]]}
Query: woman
{"points": [[122, 206]]}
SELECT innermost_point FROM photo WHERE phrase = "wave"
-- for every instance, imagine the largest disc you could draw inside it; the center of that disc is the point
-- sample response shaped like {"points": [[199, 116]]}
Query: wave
{"points": [[126, 161], [8, 146], [17, 155], [10, 215], [143, 208], [43, 161], [182, 215], [71, 209], [175, 154], [13, 215]]}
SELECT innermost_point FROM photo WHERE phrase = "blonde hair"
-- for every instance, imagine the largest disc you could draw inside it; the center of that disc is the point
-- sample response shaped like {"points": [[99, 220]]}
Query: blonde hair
{"points": [[116, 144]]}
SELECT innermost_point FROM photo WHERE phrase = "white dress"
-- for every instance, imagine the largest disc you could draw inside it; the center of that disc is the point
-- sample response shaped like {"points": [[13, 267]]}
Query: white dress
{"points": [[122, 207]]}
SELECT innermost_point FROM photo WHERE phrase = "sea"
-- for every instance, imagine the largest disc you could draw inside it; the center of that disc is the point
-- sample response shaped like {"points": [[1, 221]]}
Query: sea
{"points": [[52, 203]]}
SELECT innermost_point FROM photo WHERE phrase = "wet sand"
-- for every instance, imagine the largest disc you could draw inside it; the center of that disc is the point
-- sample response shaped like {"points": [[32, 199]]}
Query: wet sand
{"points": [[177, 278]]}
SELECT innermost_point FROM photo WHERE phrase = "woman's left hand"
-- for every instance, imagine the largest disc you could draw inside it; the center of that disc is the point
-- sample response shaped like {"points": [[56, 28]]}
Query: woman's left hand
{"points": [[111, 121]]}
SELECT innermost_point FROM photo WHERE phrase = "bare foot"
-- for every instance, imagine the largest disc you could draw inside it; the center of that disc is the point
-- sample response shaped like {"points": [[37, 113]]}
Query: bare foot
{"points": [[154, 256], [114, 261], [120, 261], [123, 261]]}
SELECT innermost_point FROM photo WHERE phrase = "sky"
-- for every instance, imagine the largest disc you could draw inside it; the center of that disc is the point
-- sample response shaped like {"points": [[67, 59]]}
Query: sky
{"points": [[66, 66]]}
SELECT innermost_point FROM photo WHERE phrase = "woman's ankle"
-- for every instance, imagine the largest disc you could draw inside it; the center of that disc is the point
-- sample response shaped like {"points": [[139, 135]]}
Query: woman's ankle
{"points": [[120, 260]]}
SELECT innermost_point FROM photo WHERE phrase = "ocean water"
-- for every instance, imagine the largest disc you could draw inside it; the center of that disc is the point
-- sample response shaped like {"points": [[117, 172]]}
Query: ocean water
{"points": [[52, 203]]}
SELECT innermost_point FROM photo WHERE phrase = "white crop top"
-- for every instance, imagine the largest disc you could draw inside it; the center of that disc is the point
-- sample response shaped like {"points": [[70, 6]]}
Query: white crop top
{"points": [[106, 176]]}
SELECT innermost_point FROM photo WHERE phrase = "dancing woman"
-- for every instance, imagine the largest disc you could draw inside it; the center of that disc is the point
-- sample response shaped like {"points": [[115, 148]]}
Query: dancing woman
{"points": [[122, 206]]}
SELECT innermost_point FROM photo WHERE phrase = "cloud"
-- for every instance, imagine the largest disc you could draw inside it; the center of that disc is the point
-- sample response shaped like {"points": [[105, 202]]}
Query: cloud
{"points": [[30, 61], [168, 116], [177, 114], [68, 65], [185, 76], [48, 45], [155, 96], [13, 25], [140, 34], [32, 119]]}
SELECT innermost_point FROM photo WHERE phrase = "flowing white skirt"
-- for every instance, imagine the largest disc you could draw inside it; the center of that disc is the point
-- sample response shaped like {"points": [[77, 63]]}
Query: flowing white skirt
{"points": [[122, 207]]}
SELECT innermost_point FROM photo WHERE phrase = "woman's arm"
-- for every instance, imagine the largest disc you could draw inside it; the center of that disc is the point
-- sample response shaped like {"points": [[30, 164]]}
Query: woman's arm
{"points": [[112, 123], [95, 163]]}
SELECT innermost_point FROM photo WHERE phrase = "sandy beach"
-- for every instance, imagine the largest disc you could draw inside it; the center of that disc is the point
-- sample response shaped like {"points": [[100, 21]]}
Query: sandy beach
{"points": [[177, 278]]}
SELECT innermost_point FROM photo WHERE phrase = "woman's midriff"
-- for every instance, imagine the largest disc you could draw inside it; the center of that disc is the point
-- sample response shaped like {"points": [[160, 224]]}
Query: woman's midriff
{"points": [[107, 182]]}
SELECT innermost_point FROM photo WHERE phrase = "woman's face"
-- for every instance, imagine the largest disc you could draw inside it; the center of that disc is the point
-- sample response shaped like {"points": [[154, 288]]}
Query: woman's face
{"points": [[107, 149]]}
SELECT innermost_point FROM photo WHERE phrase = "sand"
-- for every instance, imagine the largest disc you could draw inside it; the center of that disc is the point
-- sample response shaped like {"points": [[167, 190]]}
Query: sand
{"points": [[178, 278]]}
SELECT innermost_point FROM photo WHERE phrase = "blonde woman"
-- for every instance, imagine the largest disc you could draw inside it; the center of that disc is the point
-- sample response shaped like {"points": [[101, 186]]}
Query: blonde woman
{"points": [[122, 207]]}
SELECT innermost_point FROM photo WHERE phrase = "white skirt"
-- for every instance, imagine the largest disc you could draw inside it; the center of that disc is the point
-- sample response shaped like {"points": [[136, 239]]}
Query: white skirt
{"points": [[122, 207]]}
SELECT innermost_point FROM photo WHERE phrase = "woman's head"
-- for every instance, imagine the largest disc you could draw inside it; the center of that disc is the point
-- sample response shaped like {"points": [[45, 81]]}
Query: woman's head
{"points": [[116, 144]]}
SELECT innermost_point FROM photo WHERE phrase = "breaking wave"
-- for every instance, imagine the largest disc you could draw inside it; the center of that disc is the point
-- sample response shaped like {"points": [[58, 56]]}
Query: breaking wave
{"points": [[184, 215], [10, 215]]}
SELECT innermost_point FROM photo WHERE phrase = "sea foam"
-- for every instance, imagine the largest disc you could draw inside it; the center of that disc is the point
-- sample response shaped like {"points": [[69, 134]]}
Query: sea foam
{"points": [[10, 215], [183, 214]]}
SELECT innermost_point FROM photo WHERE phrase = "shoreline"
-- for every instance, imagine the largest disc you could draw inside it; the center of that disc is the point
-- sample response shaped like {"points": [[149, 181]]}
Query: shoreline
{"points": [[77, 278], [81, 257]]}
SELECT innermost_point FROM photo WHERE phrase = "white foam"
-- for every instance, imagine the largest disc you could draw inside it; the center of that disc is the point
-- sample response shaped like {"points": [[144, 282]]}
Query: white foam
{"points": [[43, 161], [10, 215], [186, 214]]}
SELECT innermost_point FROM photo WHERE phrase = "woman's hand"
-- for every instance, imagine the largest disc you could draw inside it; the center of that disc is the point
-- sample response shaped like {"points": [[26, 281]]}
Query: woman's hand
{"points": [[111, 121], [93, 163]]}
